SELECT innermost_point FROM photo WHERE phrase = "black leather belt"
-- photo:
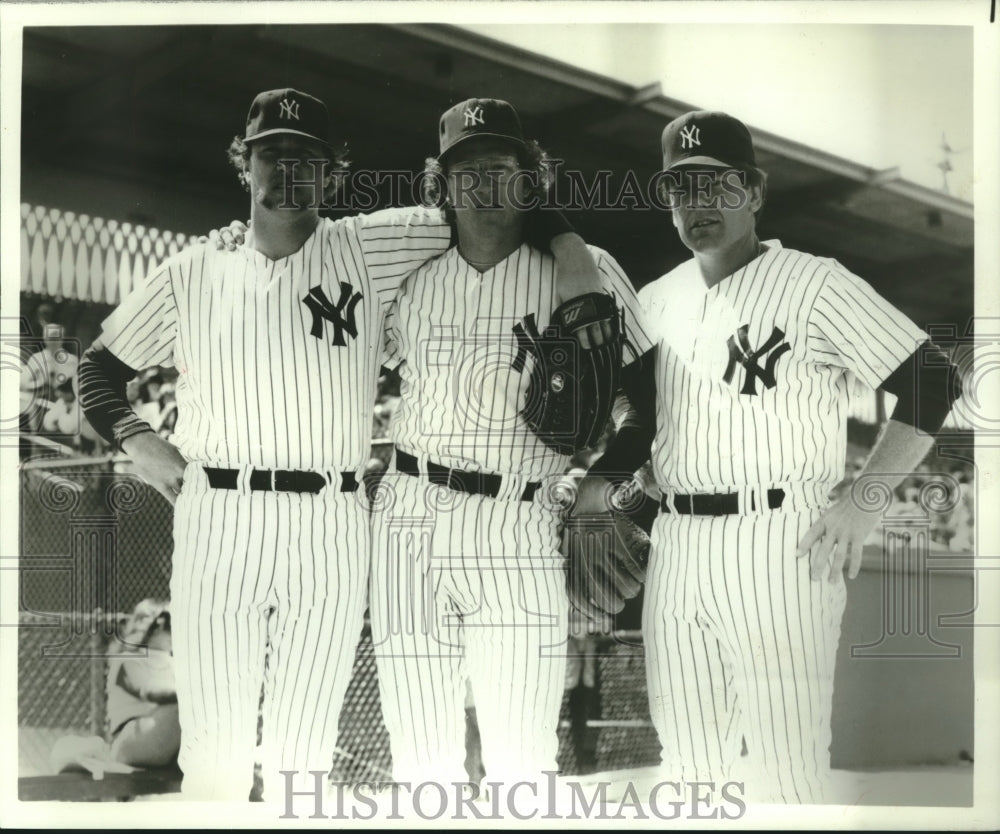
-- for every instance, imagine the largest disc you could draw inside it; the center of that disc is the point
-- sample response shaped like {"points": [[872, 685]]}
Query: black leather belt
{"points": [[474, 483], [727, 503], [278, 480]]}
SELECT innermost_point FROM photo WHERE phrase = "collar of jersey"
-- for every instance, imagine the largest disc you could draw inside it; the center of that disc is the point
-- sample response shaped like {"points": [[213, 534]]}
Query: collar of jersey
{"points": [[262, 260], [502, 261], [772, 246]]}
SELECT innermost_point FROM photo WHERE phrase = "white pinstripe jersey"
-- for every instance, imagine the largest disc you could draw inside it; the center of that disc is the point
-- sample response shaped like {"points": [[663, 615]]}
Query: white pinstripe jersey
{"points": [[270, 372], [722, 420], [452, 329]]}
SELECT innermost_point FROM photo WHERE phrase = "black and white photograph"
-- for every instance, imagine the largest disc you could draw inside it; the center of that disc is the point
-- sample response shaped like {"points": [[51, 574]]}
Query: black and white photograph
{"points": [[474, 414]]}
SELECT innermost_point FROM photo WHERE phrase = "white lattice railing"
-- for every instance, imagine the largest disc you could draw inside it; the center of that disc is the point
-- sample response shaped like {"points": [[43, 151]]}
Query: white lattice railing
{"points": [[68, 255]]}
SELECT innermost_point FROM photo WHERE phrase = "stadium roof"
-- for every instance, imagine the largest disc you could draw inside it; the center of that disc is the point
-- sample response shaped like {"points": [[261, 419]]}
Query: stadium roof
{"points": [[132, 123]]}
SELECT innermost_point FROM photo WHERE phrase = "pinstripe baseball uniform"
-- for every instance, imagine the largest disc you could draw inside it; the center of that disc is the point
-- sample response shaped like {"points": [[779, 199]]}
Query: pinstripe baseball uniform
{"points": [[467, 585], [753, 380], [277, 361]]}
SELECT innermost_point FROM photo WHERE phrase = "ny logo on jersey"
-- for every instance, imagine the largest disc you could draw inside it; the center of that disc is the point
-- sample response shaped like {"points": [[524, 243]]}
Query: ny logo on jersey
{"points": [[746, 357], [288, 109], [341, 315], [690, 136], [473, 117]]}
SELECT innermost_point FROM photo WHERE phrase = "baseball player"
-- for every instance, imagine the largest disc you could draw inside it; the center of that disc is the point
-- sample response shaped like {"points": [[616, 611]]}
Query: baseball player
{"points": [[467, 578], [277, 344], [758, 347]]}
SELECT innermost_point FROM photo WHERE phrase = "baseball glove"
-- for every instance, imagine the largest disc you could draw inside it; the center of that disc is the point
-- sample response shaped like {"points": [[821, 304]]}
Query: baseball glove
{"points": [[573, 382], [606, 556]]}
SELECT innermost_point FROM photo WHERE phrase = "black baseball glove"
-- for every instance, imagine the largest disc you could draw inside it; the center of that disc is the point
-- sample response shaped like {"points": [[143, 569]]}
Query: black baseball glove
{"points": [[573, 379]]}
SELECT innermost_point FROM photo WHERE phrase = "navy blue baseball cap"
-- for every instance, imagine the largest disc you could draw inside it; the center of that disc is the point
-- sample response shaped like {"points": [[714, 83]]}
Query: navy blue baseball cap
{"points": [[478, 117], [709, 138], [288, 111]]}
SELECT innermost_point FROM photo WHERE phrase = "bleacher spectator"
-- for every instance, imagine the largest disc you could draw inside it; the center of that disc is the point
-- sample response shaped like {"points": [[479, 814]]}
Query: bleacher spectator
{"points": [[168, 412], [45, 314], [62, 420], [43, 373], [149, 398]]}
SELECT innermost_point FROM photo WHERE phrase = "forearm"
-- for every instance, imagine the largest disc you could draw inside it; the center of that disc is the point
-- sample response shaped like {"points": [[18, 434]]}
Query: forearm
{"points": [[635, 423], [898, 451], [574, 260], [102, 379]]}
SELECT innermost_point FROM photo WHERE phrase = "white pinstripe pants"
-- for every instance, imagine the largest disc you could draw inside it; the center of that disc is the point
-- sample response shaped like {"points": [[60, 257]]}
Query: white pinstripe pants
{"points": [[741, 643], [468, 587], [263, 581]]}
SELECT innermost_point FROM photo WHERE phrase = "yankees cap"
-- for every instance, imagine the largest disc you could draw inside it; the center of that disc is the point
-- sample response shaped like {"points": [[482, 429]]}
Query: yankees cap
{"points": [[704, 137], [288, 111], [479, 117]]}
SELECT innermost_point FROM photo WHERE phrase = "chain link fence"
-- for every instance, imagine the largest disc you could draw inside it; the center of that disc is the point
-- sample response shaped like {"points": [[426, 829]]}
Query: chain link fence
{"points": [[95, 541]]}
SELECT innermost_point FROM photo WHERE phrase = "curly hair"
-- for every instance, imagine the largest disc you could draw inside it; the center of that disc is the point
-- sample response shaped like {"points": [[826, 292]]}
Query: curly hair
{"points": [[238, 154], [532, 158]]}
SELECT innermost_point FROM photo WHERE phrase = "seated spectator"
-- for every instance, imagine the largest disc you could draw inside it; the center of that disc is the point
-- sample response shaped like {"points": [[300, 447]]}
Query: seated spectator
{"points": [[910, 505], [142, 697], [132, 392], [43, 373], [168, 412], [64, 416], [149, 399], [385, 405]]}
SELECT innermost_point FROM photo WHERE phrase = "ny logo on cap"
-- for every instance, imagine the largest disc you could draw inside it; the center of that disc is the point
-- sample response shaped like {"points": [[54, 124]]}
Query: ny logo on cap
{"points": [[473, 117], [690, 136], [289, 109]]}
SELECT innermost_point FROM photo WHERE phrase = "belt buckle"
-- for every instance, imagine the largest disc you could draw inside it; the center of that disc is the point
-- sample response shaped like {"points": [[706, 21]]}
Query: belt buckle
{"points": [[274, 480]]}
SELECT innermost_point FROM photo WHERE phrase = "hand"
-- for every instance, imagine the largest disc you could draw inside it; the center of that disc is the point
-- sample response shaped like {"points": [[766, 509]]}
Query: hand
{"points": [[157, 462], [606, 552], [603, 572], [228, 237], [582, 494], [593, 495], [836, 539], [597, 333]]}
